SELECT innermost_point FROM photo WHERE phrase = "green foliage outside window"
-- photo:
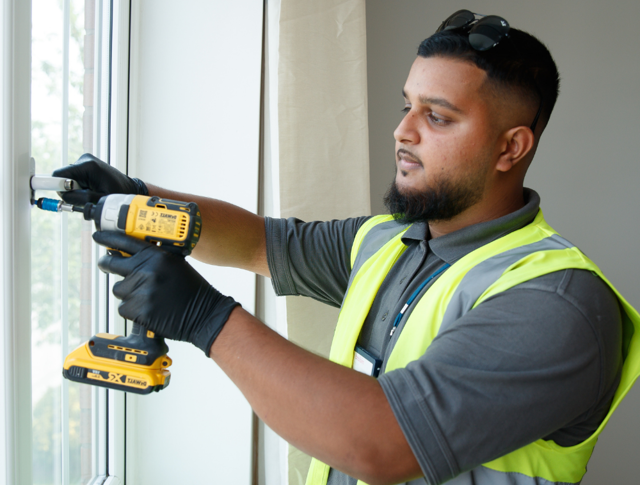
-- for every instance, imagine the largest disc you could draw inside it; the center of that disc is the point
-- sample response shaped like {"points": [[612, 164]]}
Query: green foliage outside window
{"points": [[46, 242]]}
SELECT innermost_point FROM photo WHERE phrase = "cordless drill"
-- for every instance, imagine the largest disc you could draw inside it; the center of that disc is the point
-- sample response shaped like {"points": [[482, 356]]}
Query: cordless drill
{"points": [[138, 362]]}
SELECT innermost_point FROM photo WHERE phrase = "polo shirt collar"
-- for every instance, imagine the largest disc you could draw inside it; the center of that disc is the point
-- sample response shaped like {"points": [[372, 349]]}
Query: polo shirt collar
{"points": [[455, 245]]}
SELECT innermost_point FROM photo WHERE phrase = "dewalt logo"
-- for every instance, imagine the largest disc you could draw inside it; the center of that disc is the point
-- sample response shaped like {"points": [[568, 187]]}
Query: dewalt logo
{"points": [[136, 382]]}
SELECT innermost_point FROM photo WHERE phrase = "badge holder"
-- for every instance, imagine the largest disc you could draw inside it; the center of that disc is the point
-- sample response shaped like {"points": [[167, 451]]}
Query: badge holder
{"points": [[365, 362]]}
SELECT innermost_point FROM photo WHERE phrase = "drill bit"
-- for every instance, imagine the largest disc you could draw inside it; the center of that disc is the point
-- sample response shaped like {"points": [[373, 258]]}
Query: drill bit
{"points": [[54, 205]]}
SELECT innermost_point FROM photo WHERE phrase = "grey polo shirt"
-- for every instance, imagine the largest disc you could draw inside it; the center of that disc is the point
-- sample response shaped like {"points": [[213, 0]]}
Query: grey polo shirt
{"points": [[540, 360]]}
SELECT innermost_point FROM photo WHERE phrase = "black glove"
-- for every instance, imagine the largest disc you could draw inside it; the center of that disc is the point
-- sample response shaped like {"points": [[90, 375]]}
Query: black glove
{"points": [[97, 179], [163, 293]]}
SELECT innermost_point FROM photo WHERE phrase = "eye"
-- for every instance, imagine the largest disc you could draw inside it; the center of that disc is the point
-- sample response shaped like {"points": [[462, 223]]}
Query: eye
{"points": [[407, 108], [437, 120]]}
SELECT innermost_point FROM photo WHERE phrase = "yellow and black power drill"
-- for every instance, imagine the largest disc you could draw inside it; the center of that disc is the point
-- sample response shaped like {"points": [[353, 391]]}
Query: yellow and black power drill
{"points": [[138, 362]]}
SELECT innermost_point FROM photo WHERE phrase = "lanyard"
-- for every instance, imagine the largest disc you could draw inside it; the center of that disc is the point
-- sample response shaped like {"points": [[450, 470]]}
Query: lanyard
{"points": [[413, 297]]}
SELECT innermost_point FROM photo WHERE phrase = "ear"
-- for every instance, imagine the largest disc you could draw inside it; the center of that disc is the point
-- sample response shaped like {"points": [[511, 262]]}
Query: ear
{"points": [[517, 144]]}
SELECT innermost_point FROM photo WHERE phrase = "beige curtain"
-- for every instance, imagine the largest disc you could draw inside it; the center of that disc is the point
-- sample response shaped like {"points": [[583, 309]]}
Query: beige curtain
{"points": [[316, 144]]}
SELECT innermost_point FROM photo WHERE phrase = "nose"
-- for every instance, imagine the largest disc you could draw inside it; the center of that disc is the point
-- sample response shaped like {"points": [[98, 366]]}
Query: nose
{"points": [[406, 132]]}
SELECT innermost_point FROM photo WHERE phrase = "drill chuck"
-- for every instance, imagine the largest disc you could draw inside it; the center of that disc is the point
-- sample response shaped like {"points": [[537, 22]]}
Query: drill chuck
{"points": [[54, 205], [93, 212], [49, 204]]}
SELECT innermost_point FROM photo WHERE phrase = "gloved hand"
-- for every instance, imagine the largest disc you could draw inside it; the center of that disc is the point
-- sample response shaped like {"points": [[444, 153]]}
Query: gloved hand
{"points": [[163, 293], [97, 179]]}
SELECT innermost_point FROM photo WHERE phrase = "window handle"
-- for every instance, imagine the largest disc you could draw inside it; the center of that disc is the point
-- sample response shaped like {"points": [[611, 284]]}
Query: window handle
{"points": [[46, 182]]}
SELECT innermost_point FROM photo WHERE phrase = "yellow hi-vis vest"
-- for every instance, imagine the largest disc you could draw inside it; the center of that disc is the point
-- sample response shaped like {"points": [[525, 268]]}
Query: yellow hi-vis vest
{"points": [[522, 255]]}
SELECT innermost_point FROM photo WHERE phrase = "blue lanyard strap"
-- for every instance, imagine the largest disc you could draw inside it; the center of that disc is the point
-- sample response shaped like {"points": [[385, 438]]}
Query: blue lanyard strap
{"points": [[414, 296]]}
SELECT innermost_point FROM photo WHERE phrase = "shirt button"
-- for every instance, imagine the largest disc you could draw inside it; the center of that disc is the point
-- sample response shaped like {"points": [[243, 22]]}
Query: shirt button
{"points": [[384, 317]]}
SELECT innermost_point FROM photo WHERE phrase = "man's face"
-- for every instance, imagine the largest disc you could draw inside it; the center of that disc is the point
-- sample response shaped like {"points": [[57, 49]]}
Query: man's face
{"points": [[445, 144]]}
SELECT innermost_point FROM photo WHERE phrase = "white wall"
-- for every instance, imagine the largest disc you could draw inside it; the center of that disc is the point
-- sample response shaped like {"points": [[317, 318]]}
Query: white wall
{"points": [[586, 169], [194, 113]]}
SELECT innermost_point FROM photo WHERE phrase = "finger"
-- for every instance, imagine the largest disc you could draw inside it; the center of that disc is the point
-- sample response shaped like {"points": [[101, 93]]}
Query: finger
{"points": [[88, 157], [116, 264], [128, 311], [79, 171], [121, 290], [65, 172], [118, 240], [124, 290], [117, 290], [87, 171]]}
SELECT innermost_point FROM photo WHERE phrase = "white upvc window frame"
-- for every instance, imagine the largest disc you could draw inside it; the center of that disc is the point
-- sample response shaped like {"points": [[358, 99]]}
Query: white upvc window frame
{"points": [[111, 97], [15, 339], [117, 143], [110, 144]]}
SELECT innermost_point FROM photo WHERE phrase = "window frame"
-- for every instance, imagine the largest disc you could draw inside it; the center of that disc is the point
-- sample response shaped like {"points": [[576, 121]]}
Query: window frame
{"points": [[116, 142], [110, 144], [112, 18], [15, 456]]}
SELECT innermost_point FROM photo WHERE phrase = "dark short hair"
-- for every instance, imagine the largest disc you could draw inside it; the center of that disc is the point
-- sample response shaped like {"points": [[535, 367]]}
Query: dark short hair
{"points": [[514, 63]]}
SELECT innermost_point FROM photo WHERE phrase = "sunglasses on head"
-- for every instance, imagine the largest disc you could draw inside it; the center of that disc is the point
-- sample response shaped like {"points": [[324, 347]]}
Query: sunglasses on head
{"points": [[484, 32]]}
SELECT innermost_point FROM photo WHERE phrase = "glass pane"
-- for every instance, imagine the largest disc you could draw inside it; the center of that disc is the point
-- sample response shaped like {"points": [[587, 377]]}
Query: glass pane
{"points": [[61, 249]]}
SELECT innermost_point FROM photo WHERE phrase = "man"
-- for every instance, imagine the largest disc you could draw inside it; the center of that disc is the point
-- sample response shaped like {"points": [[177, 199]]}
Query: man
{"points": [[489, 349]]}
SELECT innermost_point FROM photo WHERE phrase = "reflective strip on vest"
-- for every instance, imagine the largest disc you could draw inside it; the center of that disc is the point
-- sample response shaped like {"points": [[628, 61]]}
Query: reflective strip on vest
{"points": [[520, 256], [482, 475]]}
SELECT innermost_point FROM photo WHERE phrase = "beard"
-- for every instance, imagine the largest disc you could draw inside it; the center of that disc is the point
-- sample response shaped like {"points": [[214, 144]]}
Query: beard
{"points": [[442, 201]]}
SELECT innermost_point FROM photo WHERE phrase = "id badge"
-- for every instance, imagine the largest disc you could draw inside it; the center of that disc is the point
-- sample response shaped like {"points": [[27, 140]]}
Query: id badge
{"points": [[366, 363]]}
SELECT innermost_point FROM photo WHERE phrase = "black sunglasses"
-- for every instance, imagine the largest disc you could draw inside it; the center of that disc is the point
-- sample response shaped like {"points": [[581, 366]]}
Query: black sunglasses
{"points": [[484, 33]]}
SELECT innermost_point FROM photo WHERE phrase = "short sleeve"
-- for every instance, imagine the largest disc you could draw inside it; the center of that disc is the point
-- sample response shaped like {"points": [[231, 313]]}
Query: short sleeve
{"points": [[311, 258]]}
